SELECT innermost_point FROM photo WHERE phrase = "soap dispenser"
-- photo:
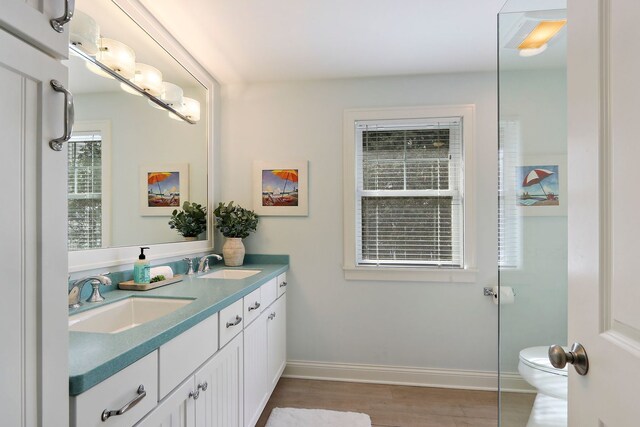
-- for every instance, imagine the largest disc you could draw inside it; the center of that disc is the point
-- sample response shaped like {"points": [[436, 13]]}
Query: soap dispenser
{"points": [[141, 268]]}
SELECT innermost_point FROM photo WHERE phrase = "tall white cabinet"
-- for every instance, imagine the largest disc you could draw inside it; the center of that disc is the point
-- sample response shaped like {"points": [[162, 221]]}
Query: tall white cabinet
{"points": [[33, 251]]}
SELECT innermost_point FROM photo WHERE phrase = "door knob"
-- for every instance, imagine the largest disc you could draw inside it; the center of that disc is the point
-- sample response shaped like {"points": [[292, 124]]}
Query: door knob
{"points": [[577, 356]]}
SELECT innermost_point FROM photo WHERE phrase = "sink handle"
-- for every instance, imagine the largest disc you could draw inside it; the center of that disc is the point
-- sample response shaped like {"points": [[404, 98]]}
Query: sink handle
{"points": [[141, 395], [235, 322]]}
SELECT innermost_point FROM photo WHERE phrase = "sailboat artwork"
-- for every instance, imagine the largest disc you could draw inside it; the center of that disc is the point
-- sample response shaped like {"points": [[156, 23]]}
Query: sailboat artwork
{"points": [[538, 185], [280, 187]]}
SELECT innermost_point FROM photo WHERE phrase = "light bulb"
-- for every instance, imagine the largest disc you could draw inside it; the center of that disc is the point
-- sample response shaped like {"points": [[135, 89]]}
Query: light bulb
{"points": [[170, 94], [190, 108], [117, 56], [84, 33], [147, 78]]}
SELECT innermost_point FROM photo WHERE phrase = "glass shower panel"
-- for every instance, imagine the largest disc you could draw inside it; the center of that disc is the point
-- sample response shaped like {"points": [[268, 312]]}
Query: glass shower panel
{"points": [[532, 210]]}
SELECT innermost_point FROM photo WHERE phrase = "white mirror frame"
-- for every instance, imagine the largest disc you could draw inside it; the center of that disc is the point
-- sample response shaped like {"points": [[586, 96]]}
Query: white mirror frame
{"points": [[110, 257]]}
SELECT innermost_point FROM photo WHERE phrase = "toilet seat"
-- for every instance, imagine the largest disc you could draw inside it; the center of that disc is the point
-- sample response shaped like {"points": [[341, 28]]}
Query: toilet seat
{"points": [[538, 358]]}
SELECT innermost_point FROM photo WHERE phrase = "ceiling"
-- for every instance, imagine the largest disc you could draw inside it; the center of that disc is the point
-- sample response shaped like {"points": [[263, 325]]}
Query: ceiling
{"points": [[276, 40]]}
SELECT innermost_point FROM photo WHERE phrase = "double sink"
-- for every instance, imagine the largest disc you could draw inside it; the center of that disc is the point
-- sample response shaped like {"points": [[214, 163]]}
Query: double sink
{"points": [[136, 310]]}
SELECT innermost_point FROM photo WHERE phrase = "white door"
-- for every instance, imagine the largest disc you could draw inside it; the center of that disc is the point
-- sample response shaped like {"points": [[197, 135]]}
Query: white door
{"points": [[604, 217], [176, 410], [30, 20], [255, 369], [33, 251], [220, 382], [276, 341]]}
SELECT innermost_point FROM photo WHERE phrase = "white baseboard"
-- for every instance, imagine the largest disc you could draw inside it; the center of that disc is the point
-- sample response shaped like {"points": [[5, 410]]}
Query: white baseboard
{"points": [[398, 375]]}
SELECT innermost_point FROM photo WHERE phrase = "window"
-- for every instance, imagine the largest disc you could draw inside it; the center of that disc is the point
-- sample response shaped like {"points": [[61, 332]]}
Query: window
{"points": [[407, 198], [88, 199], [509, 215]]}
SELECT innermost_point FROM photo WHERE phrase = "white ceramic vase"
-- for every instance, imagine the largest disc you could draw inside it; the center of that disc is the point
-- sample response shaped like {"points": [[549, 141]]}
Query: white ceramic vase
{"points": [[233, 252]]}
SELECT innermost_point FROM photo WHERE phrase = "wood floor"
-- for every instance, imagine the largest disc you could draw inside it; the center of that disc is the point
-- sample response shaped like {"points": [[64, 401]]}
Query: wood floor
{"points": [[402, 406]]}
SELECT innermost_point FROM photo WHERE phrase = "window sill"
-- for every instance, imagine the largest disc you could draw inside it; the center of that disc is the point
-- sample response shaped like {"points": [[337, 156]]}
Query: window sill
{"points": [[411, 274]]}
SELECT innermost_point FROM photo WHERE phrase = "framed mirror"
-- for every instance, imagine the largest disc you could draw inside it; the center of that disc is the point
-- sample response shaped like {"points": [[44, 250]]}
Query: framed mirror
{"points": [[130, 162]]}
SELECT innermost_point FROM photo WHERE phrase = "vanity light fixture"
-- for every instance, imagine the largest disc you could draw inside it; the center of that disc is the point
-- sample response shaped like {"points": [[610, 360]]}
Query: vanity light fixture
{"points": [[536, 42], [117, 56], [85, 33], [190, 108], [147, 78]]}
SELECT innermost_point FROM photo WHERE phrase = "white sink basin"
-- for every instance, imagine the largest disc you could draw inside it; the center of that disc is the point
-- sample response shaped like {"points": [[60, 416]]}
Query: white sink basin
{"points": [[229, 274], [123, 315]]}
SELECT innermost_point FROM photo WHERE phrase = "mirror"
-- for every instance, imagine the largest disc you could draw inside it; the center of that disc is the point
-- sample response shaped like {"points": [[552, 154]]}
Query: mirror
{"points": [[130, 163]]}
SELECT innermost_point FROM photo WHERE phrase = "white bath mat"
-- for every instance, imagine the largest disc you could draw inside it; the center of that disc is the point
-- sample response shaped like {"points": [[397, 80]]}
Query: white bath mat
{"points": [[294, 417]]}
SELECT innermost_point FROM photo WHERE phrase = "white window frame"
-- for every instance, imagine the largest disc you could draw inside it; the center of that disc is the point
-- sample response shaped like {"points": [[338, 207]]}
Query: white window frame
{"points": [[104, 128], [353, 271]]}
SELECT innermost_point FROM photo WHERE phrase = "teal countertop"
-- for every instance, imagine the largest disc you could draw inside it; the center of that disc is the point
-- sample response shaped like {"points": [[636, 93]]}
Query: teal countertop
{"points": [[94, 357]]}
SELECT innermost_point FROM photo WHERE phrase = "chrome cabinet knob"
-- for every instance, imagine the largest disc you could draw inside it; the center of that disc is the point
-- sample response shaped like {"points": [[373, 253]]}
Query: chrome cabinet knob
{"points": [[577, 356]]}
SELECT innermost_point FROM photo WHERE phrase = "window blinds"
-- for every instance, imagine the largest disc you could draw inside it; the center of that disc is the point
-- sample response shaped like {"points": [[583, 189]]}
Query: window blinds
{"points": [[409, 196], [509, 213], [84, 189]]}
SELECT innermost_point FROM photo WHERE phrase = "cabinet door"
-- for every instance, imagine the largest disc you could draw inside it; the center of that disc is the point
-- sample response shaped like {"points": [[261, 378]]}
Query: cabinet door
{"points": [[177, 410], [221, 382], [30, 20], [33, 253], [276, 340], [255, 369]]}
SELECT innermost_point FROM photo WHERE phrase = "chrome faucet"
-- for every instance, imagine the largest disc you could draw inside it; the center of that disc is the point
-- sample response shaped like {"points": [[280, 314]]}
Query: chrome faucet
{"points": [[76, 289], [203, 265]]}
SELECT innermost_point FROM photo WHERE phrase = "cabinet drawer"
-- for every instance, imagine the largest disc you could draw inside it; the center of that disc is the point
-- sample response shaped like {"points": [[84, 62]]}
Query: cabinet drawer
{"points": [[183, 354], [269, 292], [231, 322], [252, 306], [282, 284], [117, 391]]}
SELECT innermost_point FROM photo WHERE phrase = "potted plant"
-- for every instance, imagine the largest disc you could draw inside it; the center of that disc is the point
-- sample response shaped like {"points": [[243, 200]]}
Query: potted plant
{"points": [[235, 223], [190, 221]]}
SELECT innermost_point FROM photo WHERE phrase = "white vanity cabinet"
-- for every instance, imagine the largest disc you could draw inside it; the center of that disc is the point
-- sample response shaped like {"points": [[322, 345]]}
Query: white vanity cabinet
{"points": [[265, 353], [33, 254], [210, 397], [31, 21]]}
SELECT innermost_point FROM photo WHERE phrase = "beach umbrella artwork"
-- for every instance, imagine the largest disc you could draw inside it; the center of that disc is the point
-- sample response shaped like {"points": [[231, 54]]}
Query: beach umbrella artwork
{"points": [[287, 175], [156, 178], [535, 177]]}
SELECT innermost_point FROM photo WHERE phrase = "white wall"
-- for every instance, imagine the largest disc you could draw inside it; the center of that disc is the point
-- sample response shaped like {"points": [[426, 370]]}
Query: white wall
{"points": [[430, 325], [143, 135]]}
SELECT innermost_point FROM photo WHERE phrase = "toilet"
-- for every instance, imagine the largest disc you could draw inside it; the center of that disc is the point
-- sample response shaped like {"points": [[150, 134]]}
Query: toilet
{"points": [[550, 406]]}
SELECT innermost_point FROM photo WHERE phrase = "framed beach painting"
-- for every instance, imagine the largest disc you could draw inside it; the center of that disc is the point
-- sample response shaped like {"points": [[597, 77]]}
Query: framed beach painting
{"points": [[280, 188], [163, 188], [541, 186]]}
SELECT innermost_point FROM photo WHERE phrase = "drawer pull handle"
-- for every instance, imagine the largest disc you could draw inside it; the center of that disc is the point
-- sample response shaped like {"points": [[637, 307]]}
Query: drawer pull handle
{"points": [[255, 306], [272, 316], [57, 23], [235, 322], [195, 394], [69, 114], [141, 395], [283, 284], [203, 386]]}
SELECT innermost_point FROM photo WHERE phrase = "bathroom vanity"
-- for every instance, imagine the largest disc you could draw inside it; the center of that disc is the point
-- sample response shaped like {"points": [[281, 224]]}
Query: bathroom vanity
{"points": [[212, 362]]}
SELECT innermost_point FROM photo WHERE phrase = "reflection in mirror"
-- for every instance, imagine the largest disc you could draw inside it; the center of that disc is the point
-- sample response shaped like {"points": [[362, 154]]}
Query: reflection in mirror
{"points": [[131, 165]]}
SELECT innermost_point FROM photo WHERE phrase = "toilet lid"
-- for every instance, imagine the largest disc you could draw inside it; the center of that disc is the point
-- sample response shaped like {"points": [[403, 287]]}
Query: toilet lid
{"points": [[538, 358]]}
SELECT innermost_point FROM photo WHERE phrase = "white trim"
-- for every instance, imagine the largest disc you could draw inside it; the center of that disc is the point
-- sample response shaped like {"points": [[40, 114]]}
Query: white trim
{"points": [[402, 375], [82, 260], [427, 274]]}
